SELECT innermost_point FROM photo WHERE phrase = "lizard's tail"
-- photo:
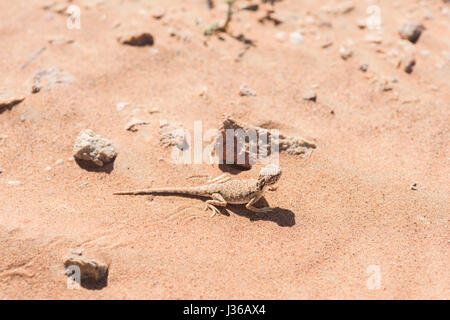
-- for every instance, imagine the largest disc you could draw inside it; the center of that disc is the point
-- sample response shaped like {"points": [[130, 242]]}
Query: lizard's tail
{"points": [[196, 191]]}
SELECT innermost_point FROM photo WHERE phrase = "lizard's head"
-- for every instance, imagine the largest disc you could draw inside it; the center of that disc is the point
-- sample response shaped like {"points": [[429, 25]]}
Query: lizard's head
{"points": [[270, 174]]}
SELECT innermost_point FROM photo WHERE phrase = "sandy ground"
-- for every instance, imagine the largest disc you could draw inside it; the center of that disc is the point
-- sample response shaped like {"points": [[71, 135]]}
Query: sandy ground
{"points": [[345, 218]]}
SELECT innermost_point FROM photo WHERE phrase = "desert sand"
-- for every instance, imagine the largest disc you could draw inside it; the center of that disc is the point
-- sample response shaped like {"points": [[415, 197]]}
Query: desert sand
{"points": [[365, 216]]}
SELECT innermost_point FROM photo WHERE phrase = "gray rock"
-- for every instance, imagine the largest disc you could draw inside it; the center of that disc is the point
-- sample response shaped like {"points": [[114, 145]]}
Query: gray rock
{"points": [[93, 148], [172, 134], [409, 64], [310, 96], [51, 78], [246, 92], [137, 39], [345, 52], [90, 270], [411, 31], [265, 140]]}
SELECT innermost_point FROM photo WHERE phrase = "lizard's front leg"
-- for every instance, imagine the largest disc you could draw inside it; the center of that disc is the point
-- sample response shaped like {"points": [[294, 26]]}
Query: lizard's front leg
{"points": [[250, 206], [217, 200]]}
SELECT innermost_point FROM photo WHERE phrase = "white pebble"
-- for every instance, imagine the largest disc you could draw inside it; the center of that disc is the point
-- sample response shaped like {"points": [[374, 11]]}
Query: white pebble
{"points": [[281, 36], [296, 37], [425, 53], [121, 105]]}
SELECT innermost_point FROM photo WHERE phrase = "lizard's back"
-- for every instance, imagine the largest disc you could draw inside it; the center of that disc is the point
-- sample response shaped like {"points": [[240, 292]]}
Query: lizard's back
{"points": [[237, 191]]}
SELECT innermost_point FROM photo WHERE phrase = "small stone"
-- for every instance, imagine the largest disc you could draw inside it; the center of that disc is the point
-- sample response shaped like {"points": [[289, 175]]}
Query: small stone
{"points": [[204, 92], [59, 161], [51, 78], [411, 31], [60, 41], [14, 183], [158, 13], [345, 52], [90, 270], [48, 168], [413, 186], [171, 31], [93, 148], [246, 92], [250, 7], [296, 37], [172, 134], [121, 105], [134, 123], [363, 67], [361, 23], [385, 85], [425, 53], [60, 8], [246, 154], [2, 170], [78, 252], [409, 64], [310, 96], [373, 38], [138, 40], [327, 44], [345, 7], [84, 185], [153, 110], [280, 36]]}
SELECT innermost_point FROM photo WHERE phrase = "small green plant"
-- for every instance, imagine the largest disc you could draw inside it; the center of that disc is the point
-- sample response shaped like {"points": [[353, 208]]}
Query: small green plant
{"points": [[221, 27]]}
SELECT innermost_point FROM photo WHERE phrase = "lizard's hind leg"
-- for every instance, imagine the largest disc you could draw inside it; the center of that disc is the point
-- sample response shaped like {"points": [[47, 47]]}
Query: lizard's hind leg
{"points": [[250, 206], [217, 200]]}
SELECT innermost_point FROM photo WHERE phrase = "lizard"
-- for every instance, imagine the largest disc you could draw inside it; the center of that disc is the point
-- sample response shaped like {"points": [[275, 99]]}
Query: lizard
{"points": [[222, 190]]}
